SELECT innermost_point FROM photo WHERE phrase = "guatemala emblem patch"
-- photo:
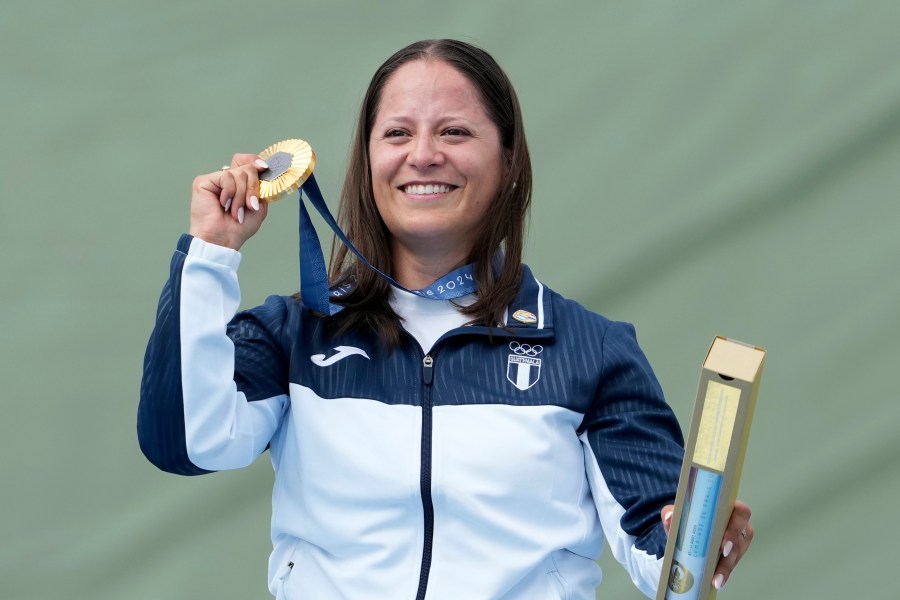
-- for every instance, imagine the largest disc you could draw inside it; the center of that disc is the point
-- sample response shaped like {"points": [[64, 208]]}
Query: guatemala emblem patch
{"points": [[523, 369]]}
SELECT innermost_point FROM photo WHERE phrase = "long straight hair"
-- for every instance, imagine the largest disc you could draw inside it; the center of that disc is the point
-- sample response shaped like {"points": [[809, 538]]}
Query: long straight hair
{"points": [[367, 306]]}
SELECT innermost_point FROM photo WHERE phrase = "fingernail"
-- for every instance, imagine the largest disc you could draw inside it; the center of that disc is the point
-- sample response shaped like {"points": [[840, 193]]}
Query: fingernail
{"points": [[718, 581], [228, 204], [726, 550], [254, 202], [261, 163], [241, 215], [667, 517]]}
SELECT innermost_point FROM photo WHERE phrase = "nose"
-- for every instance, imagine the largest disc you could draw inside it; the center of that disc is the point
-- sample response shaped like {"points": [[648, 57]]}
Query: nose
{"points": [[424, 152]]}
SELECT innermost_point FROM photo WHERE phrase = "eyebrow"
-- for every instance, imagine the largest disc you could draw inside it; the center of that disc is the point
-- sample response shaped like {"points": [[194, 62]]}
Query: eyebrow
{"points": [[442, 121]]}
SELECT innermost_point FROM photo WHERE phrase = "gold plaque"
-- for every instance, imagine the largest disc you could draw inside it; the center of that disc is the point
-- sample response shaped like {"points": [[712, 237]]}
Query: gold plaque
{"points": [[716, 425], [290, 163]]}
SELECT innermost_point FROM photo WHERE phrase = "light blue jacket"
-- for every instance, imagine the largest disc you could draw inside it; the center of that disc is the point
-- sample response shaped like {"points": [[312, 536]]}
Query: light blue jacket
{"points": [[489, 468]]}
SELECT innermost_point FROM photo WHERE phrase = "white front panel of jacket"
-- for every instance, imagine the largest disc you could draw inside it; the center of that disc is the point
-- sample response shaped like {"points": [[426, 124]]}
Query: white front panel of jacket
{"points": [[508, 485]]}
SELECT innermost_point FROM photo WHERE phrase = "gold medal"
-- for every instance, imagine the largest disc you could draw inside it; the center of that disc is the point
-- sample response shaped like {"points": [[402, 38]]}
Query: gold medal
{"points": [[290, 163]]}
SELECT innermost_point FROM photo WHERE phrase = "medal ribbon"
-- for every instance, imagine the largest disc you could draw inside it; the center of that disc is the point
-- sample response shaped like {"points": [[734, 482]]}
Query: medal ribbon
{"points": [[314, 290]]}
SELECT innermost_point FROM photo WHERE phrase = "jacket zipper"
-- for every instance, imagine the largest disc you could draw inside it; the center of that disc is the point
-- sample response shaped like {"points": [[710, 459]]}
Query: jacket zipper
{"points": [[425, 476]]}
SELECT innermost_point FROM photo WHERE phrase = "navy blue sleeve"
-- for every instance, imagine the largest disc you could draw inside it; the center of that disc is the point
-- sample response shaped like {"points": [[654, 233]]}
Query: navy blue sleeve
{"points": [[160, 418], [635, 438]]}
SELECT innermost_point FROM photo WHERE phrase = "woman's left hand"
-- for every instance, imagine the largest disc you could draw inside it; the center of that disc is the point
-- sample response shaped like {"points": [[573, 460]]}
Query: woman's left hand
{"points": [[738, 535]]}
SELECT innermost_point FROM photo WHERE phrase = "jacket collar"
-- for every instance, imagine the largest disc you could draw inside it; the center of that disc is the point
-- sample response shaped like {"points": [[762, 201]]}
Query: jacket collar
{"points": [[530, 316], [532, 311]]}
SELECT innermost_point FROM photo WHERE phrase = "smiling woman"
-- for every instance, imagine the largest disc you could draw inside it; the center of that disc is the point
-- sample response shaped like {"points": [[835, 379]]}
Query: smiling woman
{"points": [[454, 103], [475, 438], [436, 163]]}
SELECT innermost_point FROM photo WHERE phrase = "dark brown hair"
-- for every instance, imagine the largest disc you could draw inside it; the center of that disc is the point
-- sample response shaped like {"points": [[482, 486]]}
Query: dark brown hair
{"points": [[367, 305]]}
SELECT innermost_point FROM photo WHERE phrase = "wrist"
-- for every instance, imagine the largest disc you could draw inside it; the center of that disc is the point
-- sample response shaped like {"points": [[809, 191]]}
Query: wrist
{"points": [[209, 251], [215, 238]]}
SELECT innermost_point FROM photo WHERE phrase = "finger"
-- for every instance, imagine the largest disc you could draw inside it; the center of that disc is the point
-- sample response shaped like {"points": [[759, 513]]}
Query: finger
{"points": [[254, 218], [241, 180], [735, 542], [239, 160], [724, 568], [251, 200], [666, 515], [243, 195], [738, 532], [227, 187]]}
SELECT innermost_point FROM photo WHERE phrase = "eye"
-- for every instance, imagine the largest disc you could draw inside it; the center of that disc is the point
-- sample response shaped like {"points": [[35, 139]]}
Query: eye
{"points": [[456, 132], [395, 133]]}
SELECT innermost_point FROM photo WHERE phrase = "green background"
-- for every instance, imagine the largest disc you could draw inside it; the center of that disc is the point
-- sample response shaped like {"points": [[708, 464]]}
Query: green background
{"points": [[701, 169]]}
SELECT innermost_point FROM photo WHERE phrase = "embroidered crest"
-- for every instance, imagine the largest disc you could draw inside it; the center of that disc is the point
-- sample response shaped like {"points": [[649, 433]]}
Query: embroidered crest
{"points": [[523, 369]]}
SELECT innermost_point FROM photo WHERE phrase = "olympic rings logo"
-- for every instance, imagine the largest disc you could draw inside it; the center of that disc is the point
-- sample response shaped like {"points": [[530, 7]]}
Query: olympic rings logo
{"points": [[525, 349]]}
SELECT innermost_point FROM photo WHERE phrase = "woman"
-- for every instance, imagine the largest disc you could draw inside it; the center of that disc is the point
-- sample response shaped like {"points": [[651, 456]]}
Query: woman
{"points": [[472, 447]]}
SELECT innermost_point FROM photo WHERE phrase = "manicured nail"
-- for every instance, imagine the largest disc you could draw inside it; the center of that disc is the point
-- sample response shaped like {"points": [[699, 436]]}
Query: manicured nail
{"points": [[718, 581], [254, 202], [262, 164], [241, 215], [667, 517], [228, 204], [726, 550]]}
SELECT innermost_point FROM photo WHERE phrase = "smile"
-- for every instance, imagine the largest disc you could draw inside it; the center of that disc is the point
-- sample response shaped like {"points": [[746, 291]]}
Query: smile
{"points": [[420, 190]]}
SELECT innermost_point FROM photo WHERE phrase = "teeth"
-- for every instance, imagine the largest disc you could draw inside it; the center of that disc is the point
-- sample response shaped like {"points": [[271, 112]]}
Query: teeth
{"points": [[427, 189]]}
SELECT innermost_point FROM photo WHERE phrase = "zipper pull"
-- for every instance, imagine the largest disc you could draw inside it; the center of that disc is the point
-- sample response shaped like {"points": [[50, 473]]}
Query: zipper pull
{"points": [[428, 369]]}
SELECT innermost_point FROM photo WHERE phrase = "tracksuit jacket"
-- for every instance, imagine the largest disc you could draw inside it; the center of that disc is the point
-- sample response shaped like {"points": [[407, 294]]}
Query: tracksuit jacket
{"points": [[490, 467]]}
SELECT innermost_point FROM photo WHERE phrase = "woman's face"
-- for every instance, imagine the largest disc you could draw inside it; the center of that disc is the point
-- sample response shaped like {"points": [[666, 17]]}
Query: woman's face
{"points": [[436, 159]]}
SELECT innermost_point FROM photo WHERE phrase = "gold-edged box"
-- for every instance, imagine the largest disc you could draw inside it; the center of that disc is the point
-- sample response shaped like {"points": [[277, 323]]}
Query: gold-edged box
{"points": [[711, 471]]}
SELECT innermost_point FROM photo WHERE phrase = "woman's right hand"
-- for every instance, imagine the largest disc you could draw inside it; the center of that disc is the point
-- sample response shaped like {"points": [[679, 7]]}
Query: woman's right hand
{"points": [[225, 206]]}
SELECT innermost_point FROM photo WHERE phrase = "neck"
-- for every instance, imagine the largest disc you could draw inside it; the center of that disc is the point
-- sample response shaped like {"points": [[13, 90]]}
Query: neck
{"points": [[415, 270]]}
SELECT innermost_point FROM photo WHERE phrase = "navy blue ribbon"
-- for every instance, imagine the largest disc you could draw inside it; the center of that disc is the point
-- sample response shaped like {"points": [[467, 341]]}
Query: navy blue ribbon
{"points": [[314, 289]]}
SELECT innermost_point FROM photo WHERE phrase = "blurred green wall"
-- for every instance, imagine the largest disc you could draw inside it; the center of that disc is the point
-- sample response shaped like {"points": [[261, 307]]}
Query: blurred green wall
{"points": [[701, 168]]}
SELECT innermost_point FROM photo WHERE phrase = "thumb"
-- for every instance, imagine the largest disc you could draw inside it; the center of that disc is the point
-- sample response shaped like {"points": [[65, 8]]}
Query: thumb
{"points": [[666, 516]]}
